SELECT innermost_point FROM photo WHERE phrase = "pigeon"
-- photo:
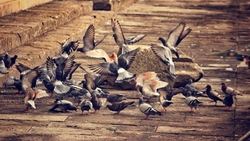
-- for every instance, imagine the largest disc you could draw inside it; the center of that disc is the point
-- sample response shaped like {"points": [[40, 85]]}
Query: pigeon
{"points": [[175, 37], [69, 46], [89, 40], [147, 109], [119, 38], [3, 68], [117, 69], [9, 82], [165, 103], [64, 105], [229, 90], [192, 101], [174, 91], [228, 101], [61, 89], [96, 102], [115, 98], [86, 105], [61, 70], [148, 83], [9, 61], [212, 94], [192, 89], [165, 55], [30, 96], [119, 106]]}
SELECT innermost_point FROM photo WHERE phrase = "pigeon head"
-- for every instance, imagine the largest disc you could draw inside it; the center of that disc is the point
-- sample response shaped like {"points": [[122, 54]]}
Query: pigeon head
{"points": [[72, 108], [140, 100], [208, 87], [223, 84]]}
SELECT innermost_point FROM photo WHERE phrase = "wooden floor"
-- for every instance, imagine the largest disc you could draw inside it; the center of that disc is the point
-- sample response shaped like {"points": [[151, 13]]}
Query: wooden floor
{"points": [[217, 28]]}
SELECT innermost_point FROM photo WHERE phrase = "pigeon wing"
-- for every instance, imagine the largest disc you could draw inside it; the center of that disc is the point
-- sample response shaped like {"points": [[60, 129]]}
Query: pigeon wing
{"points": [[106, 68], [125, 60], [99, 41], [88, 38], [163, 53], [175, 34]]}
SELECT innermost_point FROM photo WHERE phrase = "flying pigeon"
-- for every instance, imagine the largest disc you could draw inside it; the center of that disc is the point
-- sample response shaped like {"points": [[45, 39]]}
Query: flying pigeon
{"points": [[118, 69], [64, 105], [115, 98], [69, 46], [148, 83], [120, 39], [192, 101], [119, 106], [229, 90], [175, 37], [9, 61], [89, 42], [147, 109], [213, 94], [165, 55], [86, 105]]}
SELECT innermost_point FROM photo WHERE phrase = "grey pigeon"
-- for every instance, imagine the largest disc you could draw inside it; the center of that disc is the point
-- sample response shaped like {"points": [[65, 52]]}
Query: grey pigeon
{"points": [[192, 101], [189, 87], [228, 101], [81, 94], [89, 40], [115, 98], [9, 82], [63, 105], [119, 68], [119, 106], [120, 39], [165, 103], [212, 94], [61, 89], [165, 55], [147, 109], [69, 46], [86, 105], [175, 37], [3, 68]]}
